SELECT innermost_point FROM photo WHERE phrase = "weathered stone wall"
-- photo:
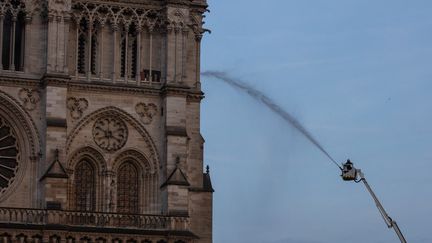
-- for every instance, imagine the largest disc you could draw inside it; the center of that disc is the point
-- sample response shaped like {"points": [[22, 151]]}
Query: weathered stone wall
{"points": [[61, 117]]}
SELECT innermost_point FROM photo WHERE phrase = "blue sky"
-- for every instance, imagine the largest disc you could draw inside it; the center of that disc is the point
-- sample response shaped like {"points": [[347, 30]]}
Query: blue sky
{"points": [[358, 75]]}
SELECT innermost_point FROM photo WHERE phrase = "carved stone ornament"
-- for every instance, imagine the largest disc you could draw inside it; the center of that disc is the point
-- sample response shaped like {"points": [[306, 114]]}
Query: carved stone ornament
{"points": [[110, 133], [9, 155], [146, 112], [58, 7], [29, 97], [76, 106], [101, 11]]}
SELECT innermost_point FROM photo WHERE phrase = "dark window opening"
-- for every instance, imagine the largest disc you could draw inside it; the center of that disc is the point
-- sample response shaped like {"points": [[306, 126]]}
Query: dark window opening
{"points": [[85, 192], [19, 42], [155, 75], [81, 49], [93, 57], [132, 47], [123, 55], [127, 189], [7, 28], [133, 55], [13, 42]]}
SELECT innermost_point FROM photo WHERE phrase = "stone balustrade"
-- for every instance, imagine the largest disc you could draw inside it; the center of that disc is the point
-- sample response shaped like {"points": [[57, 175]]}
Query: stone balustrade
{"points": [[28, 216]]}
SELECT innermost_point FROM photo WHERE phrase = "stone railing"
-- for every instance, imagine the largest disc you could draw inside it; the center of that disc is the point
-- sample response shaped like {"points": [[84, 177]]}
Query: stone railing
{"points": [[92, 219]]}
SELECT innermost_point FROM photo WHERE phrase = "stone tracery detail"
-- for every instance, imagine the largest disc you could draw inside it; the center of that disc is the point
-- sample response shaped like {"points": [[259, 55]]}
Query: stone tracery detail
{"points": [[29, 97], [9, 155], [116, 14], [176, 20], [13, 16], [77, 106], [150, 150], [58, 7], [126, 23], [146, 112], [110, 133]]}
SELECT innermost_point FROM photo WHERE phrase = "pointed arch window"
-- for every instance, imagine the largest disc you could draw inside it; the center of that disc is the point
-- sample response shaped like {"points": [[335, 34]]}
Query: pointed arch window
{"points": [[128, 52], [85, 188], [82, 42], [87, 47], [127, 189], [12, 36]]}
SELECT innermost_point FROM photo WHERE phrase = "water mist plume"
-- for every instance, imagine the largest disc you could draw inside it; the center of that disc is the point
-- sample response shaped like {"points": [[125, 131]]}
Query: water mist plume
{"points": [[269, 103]]}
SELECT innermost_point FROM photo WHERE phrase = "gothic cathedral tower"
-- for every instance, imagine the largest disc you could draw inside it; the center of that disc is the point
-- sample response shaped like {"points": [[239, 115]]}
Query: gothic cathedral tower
{"points": [[100, 122]]}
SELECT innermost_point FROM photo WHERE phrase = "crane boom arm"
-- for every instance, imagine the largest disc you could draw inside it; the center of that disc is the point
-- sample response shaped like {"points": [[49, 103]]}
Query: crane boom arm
{"points": [[389, 221]]}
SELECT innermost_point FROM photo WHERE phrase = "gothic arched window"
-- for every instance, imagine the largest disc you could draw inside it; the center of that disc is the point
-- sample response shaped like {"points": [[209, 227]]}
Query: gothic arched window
{"points": [[13, 21], [85, 188], [82, 43], [127, 188], [128, 52], [87, 47]]}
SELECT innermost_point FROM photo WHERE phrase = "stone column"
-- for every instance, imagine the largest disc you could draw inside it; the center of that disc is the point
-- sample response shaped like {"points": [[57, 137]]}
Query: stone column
{"points": [[66, 22], [138, 57], [89, 49], [77, 46], [170, 55], [101, 51], [51, 55], [115, 29], [151, 55], [12, 44], [184, 54], [110, 191], [198, 38], [126, 69], [176, 54], [163, 58], [57, 44], [28, 42], [1, 41]]}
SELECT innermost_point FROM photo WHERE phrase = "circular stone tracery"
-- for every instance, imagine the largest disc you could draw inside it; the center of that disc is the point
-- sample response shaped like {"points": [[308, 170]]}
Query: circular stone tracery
{"points": [[9, 155], [110, 133]]}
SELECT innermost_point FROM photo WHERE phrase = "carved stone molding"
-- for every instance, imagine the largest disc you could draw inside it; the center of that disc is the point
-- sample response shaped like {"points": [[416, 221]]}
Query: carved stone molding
{"points": [[58, 7], [146, 112], [14, 7], [114, 14], [110, 133], [9, 155], [76, 106], [138, 159], [29, 97], [110, 88], [26, 137], [177, 20], [88, 153], [149, 149], [11, 106]]}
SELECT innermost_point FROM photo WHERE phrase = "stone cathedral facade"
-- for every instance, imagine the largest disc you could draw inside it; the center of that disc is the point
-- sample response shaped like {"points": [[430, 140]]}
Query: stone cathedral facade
{"points": [[100, 122]]}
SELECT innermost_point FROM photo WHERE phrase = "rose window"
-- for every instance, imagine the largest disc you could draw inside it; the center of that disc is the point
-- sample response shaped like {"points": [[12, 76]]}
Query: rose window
{"points": [[9, 155], [110, 133]]}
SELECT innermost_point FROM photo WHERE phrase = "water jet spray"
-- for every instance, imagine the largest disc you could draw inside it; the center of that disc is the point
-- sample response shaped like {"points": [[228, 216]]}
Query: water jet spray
{"points": [[269, 103], [349, 172]]}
